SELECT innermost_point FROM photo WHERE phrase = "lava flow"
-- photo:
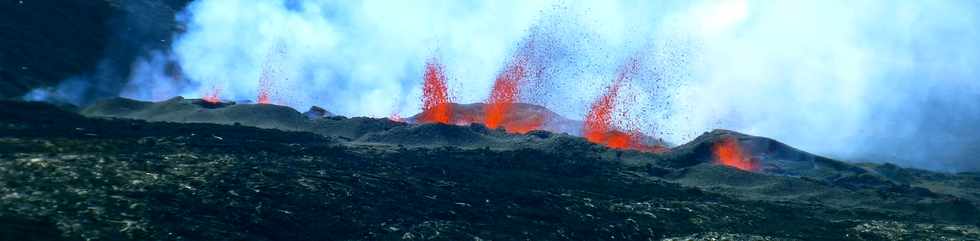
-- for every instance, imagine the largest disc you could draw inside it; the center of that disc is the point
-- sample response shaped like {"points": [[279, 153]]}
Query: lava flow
{"points": [[729, 153], [436, 107], [598, 127]]}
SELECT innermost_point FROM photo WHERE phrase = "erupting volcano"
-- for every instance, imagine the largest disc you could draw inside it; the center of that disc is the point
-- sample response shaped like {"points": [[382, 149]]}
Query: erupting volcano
{"points": [[436, 107], [729, 153], [501, 110], [598, 127]]}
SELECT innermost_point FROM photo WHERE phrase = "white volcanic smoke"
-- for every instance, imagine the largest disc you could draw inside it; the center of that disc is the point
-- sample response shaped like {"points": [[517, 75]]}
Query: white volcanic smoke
{"points": [[860, 80], [355, 58], [867, 80]]}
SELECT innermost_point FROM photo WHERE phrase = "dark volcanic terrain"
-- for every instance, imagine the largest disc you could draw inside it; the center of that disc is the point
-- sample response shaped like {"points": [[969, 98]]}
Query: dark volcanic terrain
{"points": [[65, 176]]}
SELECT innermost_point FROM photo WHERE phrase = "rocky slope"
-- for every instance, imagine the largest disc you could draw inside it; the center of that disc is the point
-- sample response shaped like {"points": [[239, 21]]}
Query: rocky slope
{"points": [[64, 176]]}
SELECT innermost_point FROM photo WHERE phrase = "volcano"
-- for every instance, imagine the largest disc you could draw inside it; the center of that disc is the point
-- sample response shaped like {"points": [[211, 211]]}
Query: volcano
{"points": [[87, 164], [188, 169]]}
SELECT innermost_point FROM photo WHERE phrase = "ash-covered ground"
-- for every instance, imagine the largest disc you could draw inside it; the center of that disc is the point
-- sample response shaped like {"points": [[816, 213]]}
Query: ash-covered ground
{"points": [[186, 170]]}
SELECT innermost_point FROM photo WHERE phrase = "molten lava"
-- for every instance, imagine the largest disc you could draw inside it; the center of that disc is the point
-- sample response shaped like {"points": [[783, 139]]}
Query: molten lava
{"points": [[269, 73], [504, 94], [212, 96], [598, 126], [729, 153], [435, 96], [525, 64], [523, 126], [265, 84], [599, 120], [264, 97], [498, 112]]}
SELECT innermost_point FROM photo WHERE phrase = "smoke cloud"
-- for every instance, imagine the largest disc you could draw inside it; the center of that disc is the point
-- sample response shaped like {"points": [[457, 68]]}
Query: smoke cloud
{"points": [[865, 80], [858, 80]]}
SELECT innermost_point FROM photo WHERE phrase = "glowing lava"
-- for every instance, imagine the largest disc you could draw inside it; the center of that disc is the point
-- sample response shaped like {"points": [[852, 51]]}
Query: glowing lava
{"points": [[729, 153], [269, 73], [499, 108], [435, 96], [598, 126], [524, 126], [505, 93], [212, 96], [265, 84], [498, 112], [599, 120]]}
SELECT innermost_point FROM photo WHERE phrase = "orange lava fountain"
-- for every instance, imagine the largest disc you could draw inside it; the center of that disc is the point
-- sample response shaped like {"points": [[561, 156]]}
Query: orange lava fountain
{"points": [[598, 127], [436, 107], [265, 84], [499, 109], [729, 153], [269, 72], [505, 93], [599, 120]]}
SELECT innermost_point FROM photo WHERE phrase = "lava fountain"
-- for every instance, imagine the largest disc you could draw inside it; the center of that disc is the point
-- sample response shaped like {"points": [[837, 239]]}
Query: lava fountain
{"points": [[729, 153], [598, 127], [436, 107], [269, 73], [499, 109], [265, 85], [505, 93]]}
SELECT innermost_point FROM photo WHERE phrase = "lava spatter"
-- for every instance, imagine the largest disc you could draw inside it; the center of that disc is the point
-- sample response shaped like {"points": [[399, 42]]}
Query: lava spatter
{"points": [[269, 74], [505, 93], [499, 110], [598, 127]]}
